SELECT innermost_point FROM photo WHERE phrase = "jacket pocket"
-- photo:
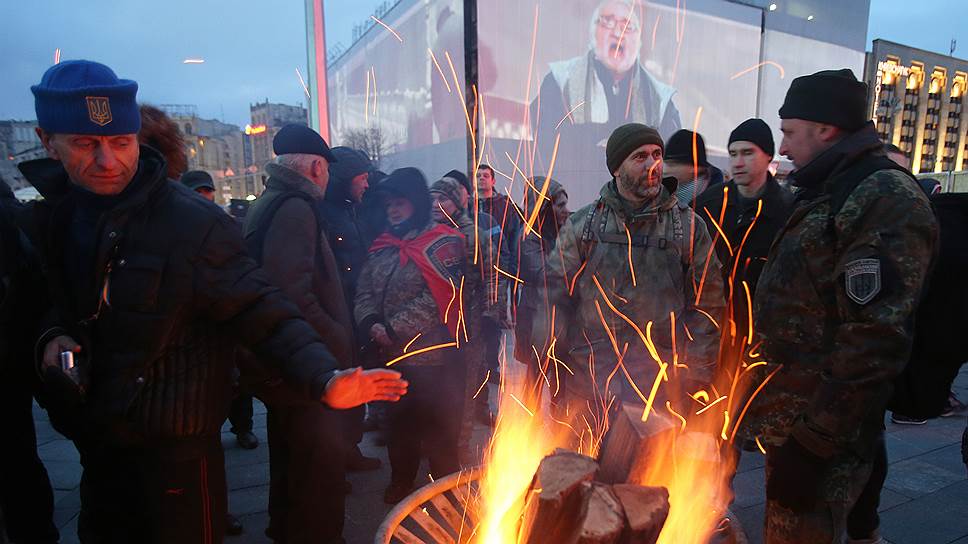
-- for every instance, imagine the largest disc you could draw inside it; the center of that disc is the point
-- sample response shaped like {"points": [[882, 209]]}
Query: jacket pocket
{"points": [[135, 283]]}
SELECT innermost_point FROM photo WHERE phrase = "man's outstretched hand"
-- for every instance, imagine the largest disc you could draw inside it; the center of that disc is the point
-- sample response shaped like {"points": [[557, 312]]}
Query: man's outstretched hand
{"points": [[354, 387]]}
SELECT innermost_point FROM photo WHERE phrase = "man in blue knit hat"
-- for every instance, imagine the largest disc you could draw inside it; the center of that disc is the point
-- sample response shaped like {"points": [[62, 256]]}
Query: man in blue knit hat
{"points": [[151, 290]]}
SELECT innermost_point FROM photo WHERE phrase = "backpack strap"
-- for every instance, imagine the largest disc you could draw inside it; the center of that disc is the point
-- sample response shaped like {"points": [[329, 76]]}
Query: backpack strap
{"points": [[255, 238]]}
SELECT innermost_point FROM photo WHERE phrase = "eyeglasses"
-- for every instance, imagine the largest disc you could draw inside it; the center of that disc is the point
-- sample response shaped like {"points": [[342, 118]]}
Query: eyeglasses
{"points": [[611, 23]]}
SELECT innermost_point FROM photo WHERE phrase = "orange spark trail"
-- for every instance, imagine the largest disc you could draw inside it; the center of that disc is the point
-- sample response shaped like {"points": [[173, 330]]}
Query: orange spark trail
{"points": [[759, 208], [439, 71], [749, 310], [709, 317], [447, 215], [710, 405], [574, 279], [568, 115], [719, 229], [453, 297], [777, 65], [302, 82], [384, 25], [410, 343], [681, 419], [529, 227], [759, 445], [366, 101], [57, 55], [749, 401], [481, 388], [521, 404], [628, 236], [508, 274], [621, 36], [373, 69], [421, 350]]}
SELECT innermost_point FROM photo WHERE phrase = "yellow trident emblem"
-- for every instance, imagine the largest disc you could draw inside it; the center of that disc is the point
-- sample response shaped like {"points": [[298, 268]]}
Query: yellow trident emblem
{"points": [[99, 110]]}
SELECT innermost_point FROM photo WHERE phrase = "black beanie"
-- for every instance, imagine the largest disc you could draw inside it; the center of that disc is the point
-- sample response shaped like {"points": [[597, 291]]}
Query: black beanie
{"points": [[626, 139], [832, 97], [755, 131], [349, 164], [460, 177], [679, 148]]}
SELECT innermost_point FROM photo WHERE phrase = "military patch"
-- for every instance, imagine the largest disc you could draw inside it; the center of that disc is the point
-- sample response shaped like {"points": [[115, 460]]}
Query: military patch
{"points": [[99, 110], [863, 279], [447, 256]]}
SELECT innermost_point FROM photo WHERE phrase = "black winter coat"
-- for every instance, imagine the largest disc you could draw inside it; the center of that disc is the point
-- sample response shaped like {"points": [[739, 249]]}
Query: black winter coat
{"points": [[176, 291]]}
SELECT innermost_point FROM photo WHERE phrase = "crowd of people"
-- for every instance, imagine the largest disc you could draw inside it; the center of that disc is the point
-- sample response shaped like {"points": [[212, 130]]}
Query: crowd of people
{"points": [[141, 315]]}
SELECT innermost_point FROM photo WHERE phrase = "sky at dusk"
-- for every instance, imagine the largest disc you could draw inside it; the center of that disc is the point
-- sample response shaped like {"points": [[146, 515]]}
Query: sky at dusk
{"points": [[253, 47]]}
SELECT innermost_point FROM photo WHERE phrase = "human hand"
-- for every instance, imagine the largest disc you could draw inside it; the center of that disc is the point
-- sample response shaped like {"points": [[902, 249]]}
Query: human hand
{"points": [[354, 387]]}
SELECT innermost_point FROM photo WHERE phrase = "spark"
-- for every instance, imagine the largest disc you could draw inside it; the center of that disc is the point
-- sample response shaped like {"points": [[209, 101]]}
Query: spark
{"points": [[453, 297], [193, 61], [410, 343], [719, 229], [529, 227], [57, 55], [521, 404], [673, 412], [447, 215], [743, 72], [645, 338], [373, 70], [701, 396], [574, 279], [421, 350], [749, 401], [628, 235], [302, 82], [621, 36], [749, 310], [709, 317], [759, 445], [725, 424], [710, 405], [568, 115], [508, 274], [366, 101], [384, 25], [484, 383], [439, 70]]}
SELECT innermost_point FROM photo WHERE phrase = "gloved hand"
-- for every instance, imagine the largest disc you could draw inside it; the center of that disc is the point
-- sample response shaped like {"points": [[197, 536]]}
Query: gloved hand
{"points": [[796, 476]]}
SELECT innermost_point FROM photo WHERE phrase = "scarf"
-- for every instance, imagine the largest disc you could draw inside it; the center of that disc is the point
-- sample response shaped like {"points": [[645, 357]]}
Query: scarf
{"points": [[440, 262]]}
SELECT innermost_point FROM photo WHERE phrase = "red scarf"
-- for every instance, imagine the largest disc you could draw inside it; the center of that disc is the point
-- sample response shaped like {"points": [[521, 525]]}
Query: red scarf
{"points": [[440, 263]]}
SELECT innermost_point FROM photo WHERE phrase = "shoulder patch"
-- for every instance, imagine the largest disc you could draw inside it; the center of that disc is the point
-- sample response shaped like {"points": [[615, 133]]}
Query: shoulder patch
{"points": [[863, 280]]}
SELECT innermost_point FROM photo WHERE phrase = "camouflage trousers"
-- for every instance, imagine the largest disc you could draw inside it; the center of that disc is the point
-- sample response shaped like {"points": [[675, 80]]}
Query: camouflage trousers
{"points": [[843, 483]]}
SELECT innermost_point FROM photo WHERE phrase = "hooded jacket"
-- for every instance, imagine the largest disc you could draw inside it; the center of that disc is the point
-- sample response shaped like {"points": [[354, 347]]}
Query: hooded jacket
{"points": [[174, 291], [656, 278], [536, 251], [341, 223]]}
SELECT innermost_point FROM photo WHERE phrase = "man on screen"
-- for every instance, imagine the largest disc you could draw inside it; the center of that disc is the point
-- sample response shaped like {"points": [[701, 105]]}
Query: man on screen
{"points": [[607, 85]]}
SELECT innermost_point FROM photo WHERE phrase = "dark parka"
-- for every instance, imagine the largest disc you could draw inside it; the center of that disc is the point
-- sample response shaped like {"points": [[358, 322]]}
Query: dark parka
{"points": [[342, 225], [173, 292]]}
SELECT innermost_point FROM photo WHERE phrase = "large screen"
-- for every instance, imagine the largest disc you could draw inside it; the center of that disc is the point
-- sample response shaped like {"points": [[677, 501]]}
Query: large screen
{"points": [[401, 88], [576, 70]]}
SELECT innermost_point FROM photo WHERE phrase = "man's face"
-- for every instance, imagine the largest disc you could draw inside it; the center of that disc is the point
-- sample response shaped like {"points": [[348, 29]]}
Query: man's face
{"points": [[399, 209], [560, 206], [616, 51], [104, 165], [639, 177], [748, 163], [358, 186], [803, 140], [684, 172], [485, 180], [206, 193], [443, 208]]}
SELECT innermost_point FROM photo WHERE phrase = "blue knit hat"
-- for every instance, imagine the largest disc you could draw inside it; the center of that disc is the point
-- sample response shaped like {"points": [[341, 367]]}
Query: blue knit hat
{"points": [[84, 97]]}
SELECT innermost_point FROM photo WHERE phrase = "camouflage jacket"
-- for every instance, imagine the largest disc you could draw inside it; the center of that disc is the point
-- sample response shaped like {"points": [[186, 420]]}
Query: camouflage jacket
{"points": [[836, 300], [650, 272], [398, 297]]}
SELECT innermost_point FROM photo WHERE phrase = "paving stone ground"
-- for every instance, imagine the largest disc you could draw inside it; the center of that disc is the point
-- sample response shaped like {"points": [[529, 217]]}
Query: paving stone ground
{"points": [[925, 500]]}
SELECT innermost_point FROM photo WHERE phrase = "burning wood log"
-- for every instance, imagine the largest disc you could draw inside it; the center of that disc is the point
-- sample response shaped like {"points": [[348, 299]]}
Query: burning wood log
{"points": [[630, 443], [646, 510], [602, 519], [554, 499]]}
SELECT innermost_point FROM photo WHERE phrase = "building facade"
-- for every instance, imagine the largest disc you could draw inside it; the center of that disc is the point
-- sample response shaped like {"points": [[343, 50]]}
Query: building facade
{"points": [[18, 143], [916, 102], [267, 119]]}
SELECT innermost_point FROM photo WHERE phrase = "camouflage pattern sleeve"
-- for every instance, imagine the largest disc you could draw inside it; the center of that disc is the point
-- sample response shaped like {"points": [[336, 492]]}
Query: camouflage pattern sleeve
{"points": [[886, 238], [366, 306], [705, 300]]}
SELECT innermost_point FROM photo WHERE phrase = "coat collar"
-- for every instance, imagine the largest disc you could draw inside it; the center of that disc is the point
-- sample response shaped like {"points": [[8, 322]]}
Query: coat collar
{"points": [[286, 178]]}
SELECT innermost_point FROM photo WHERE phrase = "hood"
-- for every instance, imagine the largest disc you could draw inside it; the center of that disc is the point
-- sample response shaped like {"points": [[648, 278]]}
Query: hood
{"points": [[349, 164], [287, 178], [411, 184]]}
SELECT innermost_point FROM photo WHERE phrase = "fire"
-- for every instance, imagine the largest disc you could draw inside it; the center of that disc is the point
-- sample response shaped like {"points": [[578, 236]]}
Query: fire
{"points": [[521, 439]]}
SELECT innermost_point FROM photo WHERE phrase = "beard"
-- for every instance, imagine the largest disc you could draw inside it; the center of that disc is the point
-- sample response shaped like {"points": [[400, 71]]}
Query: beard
{"points": [[638, 188]]}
